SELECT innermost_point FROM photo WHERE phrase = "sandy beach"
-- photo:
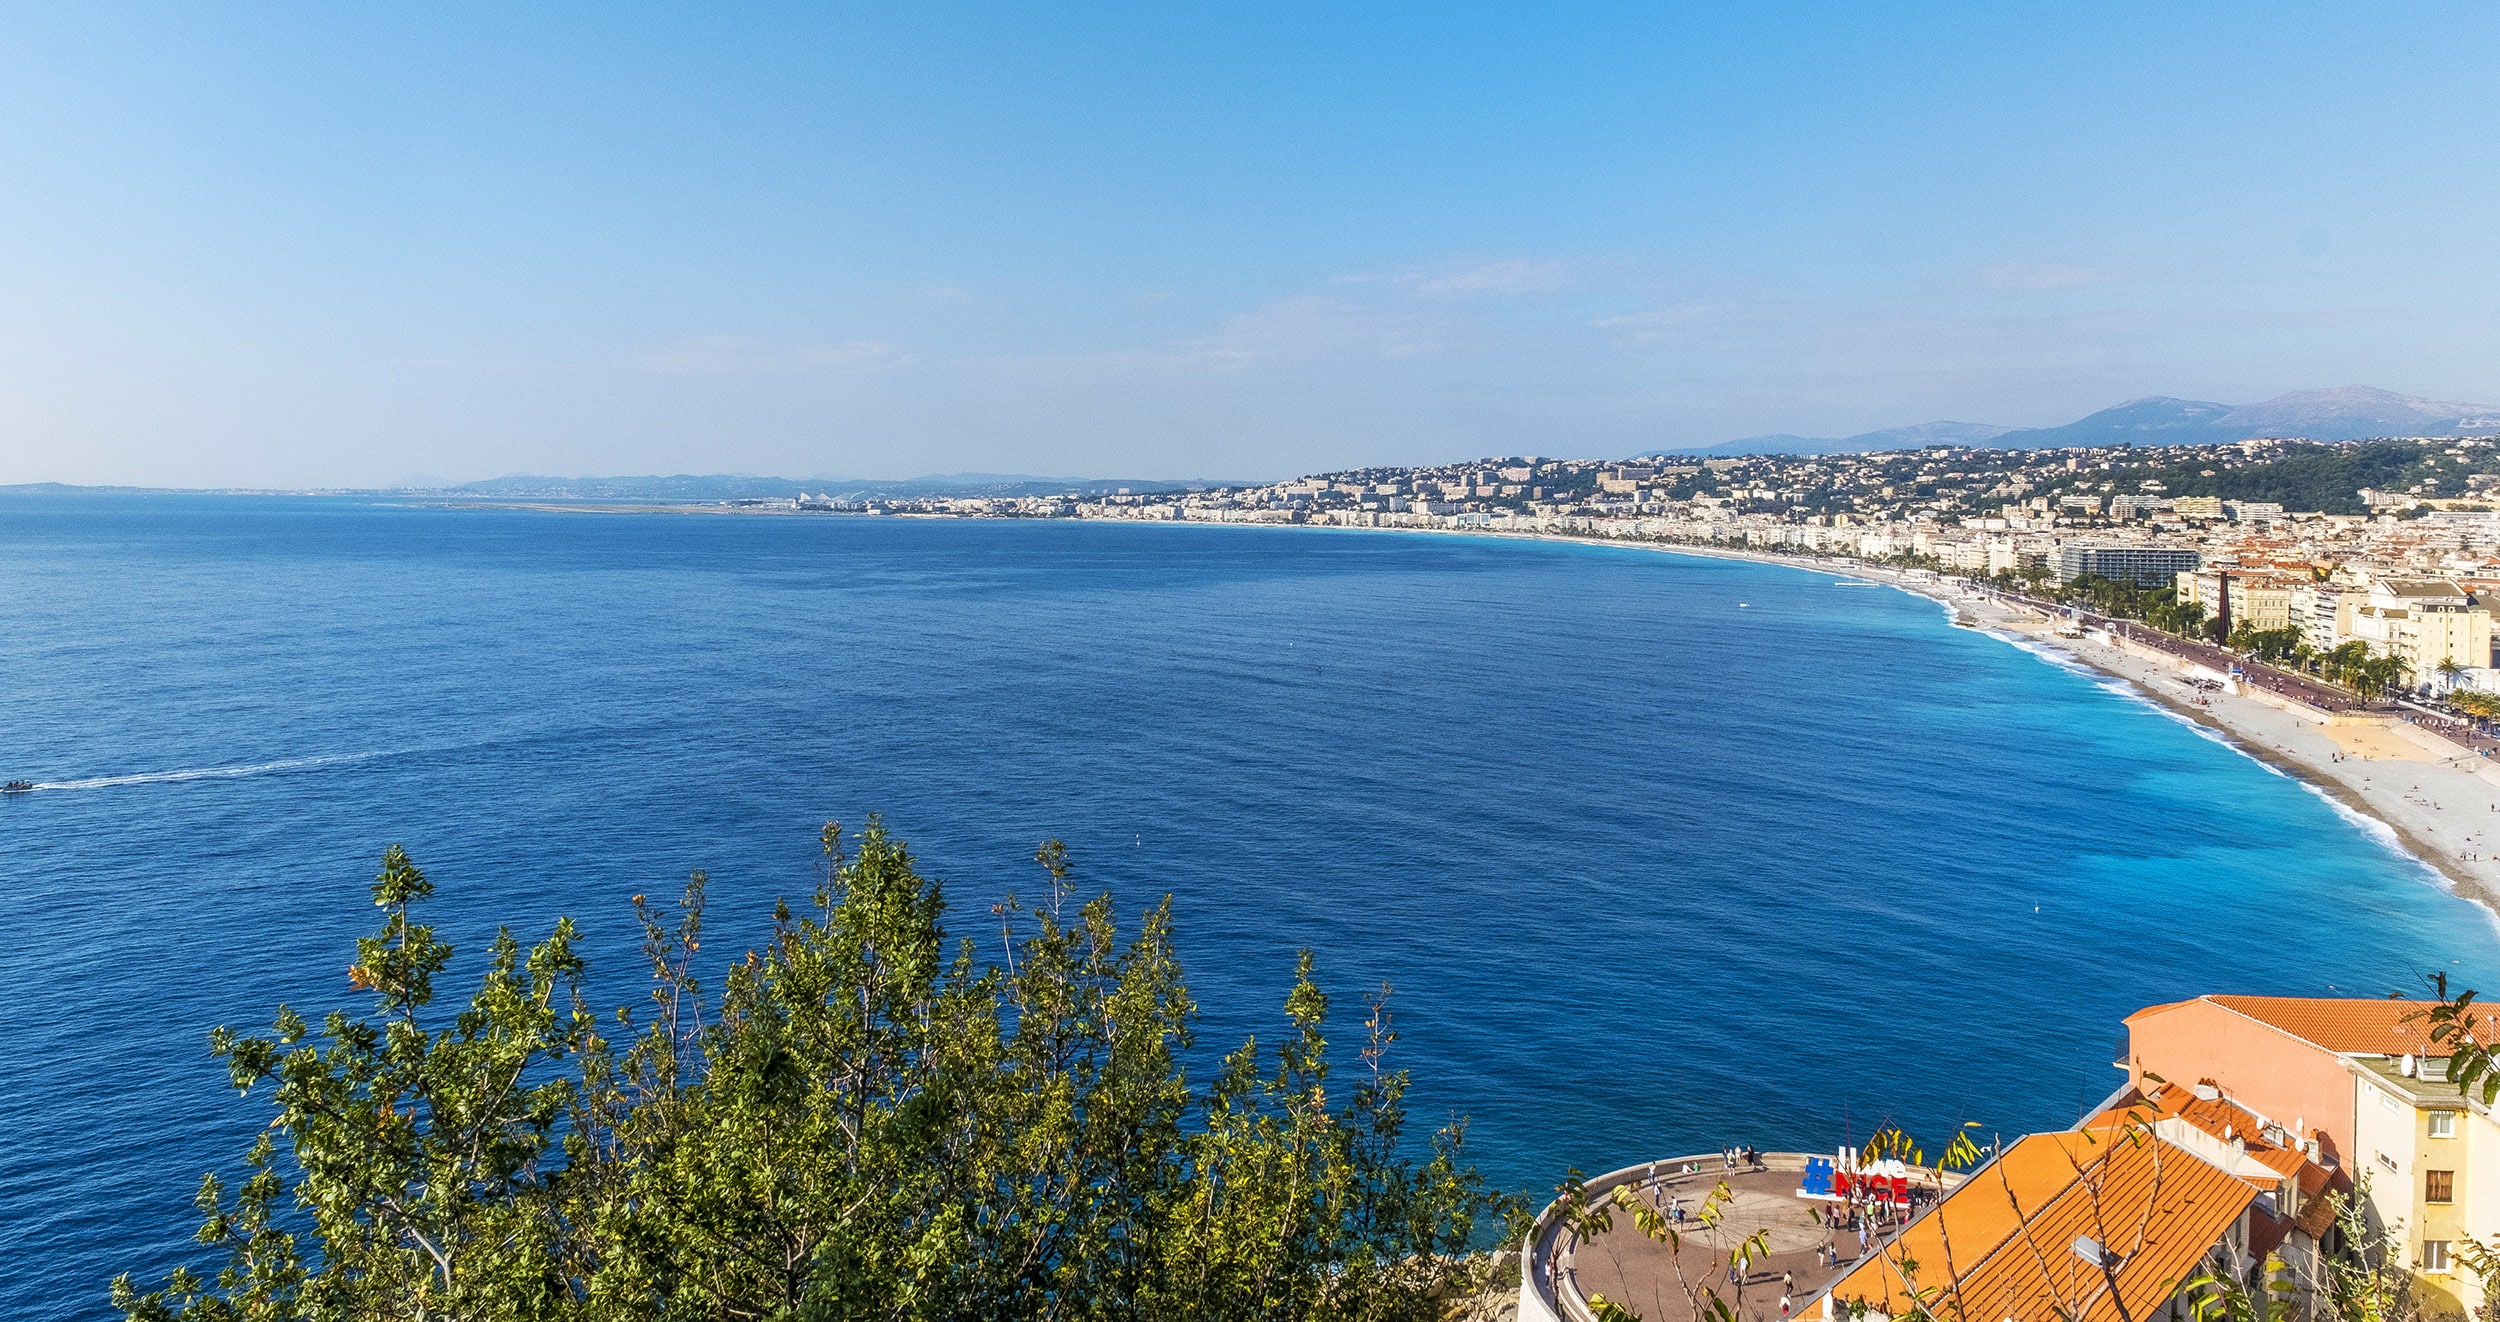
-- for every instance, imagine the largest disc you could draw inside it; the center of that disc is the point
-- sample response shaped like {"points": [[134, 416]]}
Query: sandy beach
{"points": [[2441, 802], [2436, 802]]}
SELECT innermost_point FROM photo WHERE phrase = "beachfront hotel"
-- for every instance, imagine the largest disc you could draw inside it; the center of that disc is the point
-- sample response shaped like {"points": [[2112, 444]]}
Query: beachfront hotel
{"points": [[2245, 1125], [2124, 562]]}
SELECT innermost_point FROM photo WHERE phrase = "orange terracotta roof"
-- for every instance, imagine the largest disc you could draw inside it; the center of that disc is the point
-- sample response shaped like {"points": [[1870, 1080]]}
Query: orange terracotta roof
{"points": [[2345, 1025], [2225, 1119], [2318, 1186], [2229, 1121], [2003, 1244]]}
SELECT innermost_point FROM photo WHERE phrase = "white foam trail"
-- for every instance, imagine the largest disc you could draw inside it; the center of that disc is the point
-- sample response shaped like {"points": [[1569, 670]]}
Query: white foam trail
{"points": [[203, 773], [2370, 826], [2057, 657]]}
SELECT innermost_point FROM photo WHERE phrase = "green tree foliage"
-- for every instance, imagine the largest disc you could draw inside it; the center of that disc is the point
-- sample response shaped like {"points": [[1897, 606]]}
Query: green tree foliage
{"points": [[2268, 644], [2159, 607], [2351, 664], [866, 1120], [2362, 1280], [2475, 703], [2324, 477]]}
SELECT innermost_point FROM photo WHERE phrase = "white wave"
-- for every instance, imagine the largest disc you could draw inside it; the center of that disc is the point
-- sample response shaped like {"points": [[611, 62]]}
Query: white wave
{"points": [[2116, 685], [204, 773], [2378, 832], [2385, 837]]}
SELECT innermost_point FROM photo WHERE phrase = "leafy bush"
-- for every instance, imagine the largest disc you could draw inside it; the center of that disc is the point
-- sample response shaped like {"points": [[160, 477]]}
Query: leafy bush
{"points": [[862, 1122]]}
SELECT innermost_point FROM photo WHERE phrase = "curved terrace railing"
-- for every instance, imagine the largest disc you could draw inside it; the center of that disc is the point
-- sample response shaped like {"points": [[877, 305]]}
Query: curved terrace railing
{"points": [[1544, 1295]]}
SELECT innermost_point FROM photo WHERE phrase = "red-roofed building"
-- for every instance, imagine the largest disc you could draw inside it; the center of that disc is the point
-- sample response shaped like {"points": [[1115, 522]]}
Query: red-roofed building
{"points": [[2105, 1223], [2353, 1086]]}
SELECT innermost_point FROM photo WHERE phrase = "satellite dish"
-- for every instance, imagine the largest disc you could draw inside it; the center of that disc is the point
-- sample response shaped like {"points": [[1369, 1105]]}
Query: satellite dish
{"points": [[2405, 1066]]}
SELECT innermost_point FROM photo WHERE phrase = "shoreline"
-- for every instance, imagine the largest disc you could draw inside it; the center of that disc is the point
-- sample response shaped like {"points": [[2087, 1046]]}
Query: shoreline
{"points": [[2395, 781], [2334, 760]]}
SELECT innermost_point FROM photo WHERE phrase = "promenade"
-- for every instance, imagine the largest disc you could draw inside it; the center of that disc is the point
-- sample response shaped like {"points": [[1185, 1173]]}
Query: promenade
{"points": [[2309, 691], [2300, 688]]}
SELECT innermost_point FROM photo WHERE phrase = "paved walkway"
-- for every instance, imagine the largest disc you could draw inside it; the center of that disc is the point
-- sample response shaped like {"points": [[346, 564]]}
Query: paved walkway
{"points": [[2305, 689], [1642, 1275]]}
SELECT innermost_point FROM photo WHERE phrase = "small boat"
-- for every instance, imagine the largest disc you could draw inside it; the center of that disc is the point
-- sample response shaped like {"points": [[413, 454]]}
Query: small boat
{"points": [[18, 787]]}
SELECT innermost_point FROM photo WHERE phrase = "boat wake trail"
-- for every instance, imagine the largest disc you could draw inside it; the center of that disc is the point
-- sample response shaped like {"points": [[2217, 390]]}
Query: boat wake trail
{"points": [[205, 773]]}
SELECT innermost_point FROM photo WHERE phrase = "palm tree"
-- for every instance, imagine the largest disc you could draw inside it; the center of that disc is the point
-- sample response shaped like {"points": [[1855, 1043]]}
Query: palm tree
{"points": [[2343, 664]]}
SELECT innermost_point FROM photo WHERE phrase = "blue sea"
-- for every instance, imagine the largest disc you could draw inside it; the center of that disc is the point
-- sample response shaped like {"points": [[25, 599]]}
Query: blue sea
{"points": [[1659, 852]]}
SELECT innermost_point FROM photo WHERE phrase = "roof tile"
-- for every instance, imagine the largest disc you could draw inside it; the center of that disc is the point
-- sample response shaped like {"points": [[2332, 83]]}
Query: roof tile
{"points": [[2003, 1244]]}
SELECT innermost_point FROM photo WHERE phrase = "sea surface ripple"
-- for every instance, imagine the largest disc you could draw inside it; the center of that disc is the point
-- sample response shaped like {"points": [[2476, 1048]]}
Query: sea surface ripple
{"points": [[1659, 852]]}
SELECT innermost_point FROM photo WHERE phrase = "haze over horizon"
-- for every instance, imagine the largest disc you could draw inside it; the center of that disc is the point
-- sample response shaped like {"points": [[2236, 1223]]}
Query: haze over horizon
{"points": [[295, 247]]}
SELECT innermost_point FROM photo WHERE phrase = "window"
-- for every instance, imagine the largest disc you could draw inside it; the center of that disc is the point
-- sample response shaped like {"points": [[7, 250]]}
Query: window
{"points": [[2434, 1255], [2443, 1124], [2439, 1186]]}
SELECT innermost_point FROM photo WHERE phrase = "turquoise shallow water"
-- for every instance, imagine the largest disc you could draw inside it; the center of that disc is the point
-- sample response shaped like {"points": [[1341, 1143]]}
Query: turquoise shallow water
{"points": [[1660, 852]]}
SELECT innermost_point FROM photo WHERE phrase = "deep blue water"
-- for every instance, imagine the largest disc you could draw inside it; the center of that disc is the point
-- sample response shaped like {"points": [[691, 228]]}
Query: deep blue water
{"points": [[1660, 852]]}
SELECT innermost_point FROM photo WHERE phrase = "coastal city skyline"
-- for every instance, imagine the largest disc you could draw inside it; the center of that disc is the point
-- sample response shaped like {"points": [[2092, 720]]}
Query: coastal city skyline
{"points": [[1289, 663], [2153, 423]]}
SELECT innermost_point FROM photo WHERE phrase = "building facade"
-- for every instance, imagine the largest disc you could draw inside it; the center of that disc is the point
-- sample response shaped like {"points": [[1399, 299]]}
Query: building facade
{"points": [[2357, 1086], [2145, 566], [2427, 623]]}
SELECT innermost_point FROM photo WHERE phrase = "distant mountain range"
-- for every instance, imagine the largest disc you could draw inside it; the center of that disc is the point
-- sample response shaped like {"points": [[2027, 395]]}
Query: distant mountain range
{"points": [[2347, 413]]}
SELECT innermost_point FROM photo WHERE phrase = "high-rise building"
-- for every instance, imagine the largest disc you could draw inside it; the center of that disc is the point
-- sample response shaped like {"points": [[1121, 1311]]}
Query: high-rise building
{"points": [[2146, 566]]}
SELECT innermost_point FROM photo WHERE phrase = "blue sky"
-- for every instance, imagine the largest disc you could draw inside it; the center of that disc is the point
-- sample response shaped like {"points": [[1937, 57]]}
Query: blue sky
{"points": [[261, 244]]}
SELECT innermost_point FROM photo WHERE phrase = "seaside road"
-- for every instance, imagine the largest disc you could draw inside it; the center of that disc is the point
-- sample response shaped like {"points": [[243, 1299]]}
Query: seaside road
{"points": [[2306, 689], [2324, 697]]}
